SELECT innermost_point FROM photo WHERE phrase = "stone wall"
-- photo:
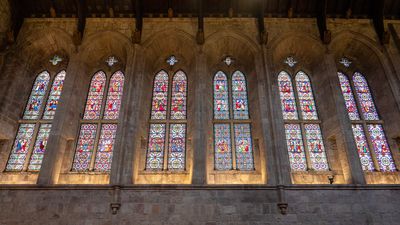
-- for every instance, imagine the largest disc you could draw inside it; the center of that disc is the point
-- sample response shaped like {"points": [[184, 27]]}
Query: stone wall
{"points": [[200, 195], [200, 206]]}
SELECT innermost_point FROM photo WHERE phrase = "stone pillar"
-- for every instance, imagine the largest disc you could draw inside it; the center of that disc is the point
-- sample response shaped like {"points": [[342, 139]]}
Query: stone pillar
{"points": [[123, 141], [123, 162], [199, 130], [265, 116], [272, 119], [356, 171], [57, 141]]}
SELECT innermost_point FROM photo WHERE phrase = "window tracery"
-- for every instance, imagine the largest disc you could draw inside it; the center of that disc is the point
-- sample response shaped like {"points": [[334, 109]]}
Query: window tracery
{"points": [[367, 127], [303, 133], [232, 124], [166, 149], [99, 124], [35, 126]]}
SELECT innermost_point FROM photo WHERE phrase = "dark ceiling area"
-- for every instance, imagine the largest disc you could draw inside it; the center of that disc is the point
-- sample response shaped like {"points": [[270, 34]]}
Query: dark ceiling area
{"points": [[210, 8]]}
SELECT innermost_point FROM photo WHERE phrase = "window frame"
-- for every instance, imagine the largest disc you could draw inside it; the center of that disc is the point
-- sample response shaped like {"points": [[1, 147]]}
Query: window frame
{"points": [[36, 122], [303, 122], [231, 121], [168, 121], [98, 122]]}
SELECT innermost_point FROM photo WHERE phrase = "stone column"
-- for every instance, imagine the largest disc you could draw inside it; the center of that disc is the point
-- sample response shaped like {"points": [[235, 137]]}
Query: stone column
{"points": [[272, 119], [57, 141], [124, 169], [123, 141], [265, 116], [356, 171], [199, 130]]}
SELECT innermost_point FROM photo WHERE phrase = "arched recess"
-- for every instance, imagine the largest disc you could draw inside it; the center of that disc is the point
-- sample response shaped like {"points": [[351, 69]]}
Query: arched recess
{"points": [[367, 58], [156, 50], [91, 58], [247, 60], [309, 54], [31, 55]]}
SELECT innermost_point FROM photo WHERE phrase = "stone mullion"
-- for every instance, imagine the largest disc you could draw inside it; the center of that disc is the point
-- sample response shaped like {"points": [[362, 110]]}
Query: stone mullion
{"points": [[200, 147], [279, 156], [356, 171], [56, 143]]}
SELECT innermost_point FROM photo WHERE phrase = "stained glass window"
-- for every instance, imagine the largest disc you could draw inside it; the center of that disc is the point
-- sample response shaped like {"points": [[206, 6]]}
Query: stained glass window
{"points": [[224, 132], [95, 96], [366, 102], [362, 147], [179, 89], [306, 99], [221, 102], [115, 90], [160, 96], [348, 97], [177, 147], [105, 148], [85, 147], [222, 147], [35, 101], [155, 150], [288, 101], [31, 139], [21, 147], [294, 127], [362, 130], [55, 94], [243, 147], [381, 147], [316, 147], [239, 96], [40, 147], [97, 133], [295, 145]]}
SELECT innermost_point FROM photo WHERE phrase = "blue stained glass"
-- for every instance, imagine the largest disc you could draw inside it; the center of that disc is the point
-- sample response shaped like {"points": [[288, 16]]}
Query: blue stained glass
{"points": [[221, 102], [222, 147], [95, 96], [105, 148], [85, 147], [239, 96], [178, 102], [362, 147], [40, 147], [21, 147], [348, 97], [36, 98], [177, 147], [381, 148], [288, 101], [295, 146], [54, 97], [365, 98], [243, 147], [316, 147], [160, 97], [155, 149], [306, 98]]}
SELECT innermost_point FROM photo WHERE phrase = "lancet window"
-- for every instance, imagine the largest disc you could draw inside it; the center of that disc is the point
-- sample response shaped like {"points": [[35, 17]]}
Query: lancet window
{"points": [[369, 135], [303, 132], [233, 148], [98, 127], [166, 148], [35, 125]]}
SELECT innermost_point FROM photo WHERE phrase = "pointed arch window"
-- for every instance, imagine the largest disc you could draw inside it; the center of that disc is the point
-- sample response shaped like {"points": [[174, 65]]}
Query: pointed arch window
{"points": [[303, 133], [367, 127], [95, 145], [35, 126], [166, 149], [233, 148]]}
